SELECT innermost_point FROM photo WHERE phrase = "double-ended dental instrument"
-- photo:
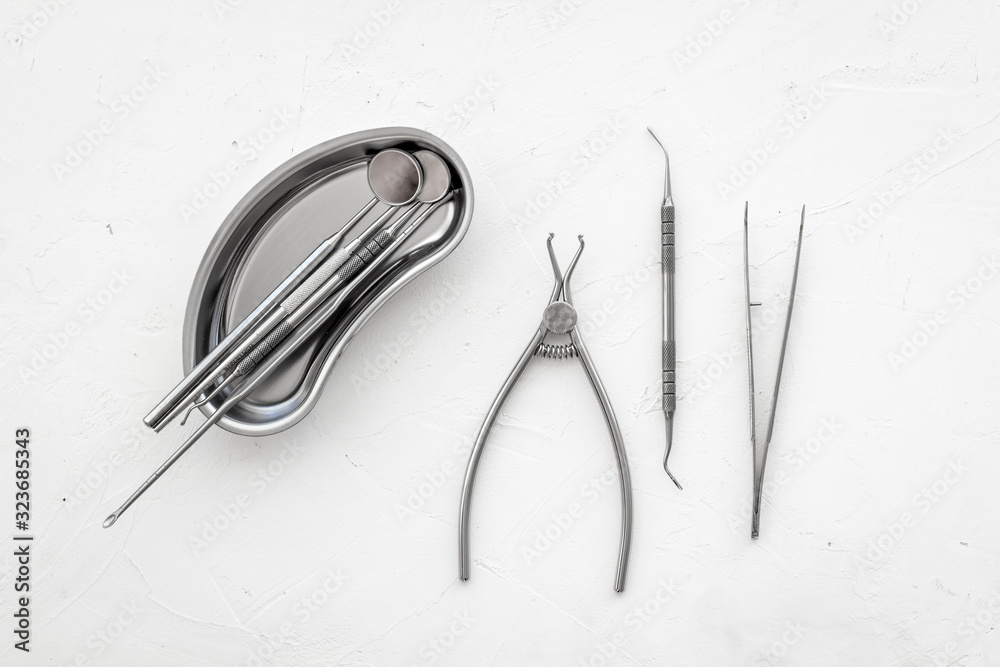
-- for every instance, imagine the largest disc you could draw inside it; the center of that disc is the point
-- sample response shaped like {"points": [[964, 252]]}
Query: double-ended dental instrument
{"points": [[760, 457], [669, 347], [396, 179], [314, 291], [559, 319]]}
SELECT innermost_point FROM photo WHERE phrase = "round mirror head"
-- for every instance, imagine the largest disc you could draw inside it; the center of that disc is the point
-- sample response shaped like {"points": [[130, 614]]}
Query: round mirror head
{"points": [[437, 177], [395, 177], [559, 317]]}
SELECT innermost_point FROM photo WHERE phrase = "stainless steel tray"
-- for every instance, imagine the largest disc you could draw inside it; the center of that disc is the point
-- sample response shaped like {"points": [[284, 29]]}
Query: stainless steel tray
{"points": [[273, 228]]}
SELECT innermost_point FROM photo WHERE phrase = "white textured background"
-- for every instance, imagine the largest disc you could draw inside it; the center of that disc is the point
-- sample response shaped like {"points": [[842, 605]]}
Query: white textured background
{"points": [[879, 541]]}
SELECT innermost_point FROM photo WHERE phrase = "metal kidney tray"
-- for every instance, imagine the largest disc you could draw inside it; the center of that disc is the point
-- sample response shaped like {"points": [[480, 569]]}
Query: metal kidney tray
{"points": [[273, 228]]}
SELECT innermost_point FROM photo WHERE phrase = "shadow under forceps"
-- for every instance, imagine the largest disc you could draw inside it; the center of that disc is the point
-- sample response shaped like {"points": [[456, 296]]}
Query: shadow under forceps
{"points": [[558, 318]]}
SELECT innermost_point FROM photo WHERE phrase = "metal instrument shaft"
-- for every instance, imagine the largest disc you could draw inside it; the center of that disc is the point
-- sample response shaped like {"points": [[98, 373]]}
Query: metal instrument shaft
{"points": [[669, 347]]}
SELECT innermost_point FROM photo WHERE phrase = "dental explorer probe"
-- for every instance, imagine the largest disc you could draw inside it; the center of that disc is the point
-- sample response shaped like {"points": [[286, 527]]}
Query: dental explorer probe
{"points": [[669, 346], [272, 361], [396, 178]]}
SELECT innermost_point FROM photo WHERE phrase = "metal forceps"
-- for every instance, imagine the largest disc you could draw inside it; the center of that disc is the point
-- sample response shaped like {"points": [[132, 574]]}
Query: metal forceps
{"points": [[558, 318], [760, 458]]}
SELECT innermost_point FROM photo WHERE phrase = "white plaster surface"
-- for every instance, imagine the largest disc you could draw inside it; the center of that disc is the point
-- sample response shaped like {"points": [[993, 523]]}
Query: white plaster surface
{"points": [[873, 550]]}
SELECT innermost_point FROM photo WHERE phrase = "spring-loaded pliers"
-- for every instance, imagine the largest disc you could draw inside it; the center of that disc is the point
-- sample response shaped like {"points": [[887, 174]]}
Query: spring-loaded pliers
{"points": [[558, 318]]}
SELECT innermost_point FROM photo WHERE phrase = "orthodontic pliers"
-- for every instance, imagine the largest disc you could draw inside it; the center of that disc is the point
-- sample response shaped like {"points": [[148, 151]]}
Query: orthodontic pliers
{"points": [[558, 318]]}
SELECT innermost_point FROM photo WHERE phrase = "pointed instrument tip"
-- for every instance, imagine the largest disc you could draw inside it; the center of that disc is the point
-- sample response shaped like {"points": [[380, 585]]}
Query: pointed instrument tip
{"points": [[666, 168], [672, 478], [666, 453], [110, 521], [802, 220]]}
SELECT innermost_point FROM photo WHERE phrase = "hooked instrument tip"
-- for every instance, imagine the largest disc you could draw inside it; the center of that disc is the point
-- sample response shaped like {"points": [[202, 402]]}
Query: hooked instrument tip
{"points": [[666, 168], [666, 453]]}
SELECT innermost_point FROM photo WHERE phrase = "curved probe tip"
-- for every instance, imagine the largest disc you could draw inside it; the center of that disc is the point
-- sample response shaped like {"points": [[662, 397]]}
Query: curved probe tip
{"points": [[671, 476], [110, 521], [666, 453], [666, 166]]}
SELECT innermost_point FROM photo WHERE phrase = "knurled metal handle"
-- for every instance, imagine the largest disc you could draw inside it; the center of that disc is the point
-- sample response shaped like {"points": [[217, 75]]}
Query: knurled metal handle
{"points": [[344, 273], [667, 238], [669, 376], [315, 279], [261, 349], [667, 264], [364, 255]]}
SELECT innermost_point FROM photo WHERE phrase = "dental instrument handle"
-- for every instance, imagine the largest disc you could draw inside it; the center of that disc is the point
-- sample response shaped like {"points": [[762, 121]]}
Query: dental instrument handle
{"points": [[272, 362], [668, 378], [158, 416], [669, 352], [312, 293], [667, 269], [358, 260], [183, 393], [289, 304]]}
